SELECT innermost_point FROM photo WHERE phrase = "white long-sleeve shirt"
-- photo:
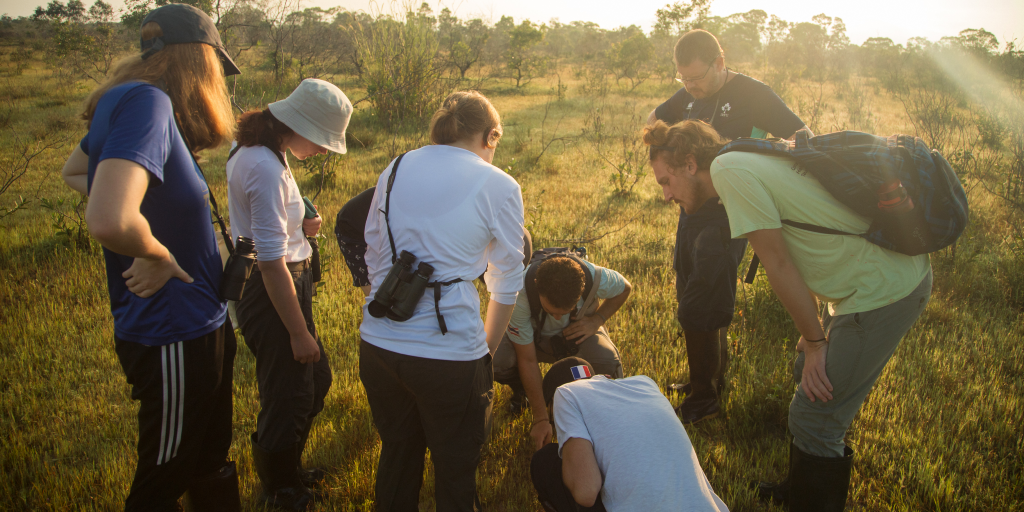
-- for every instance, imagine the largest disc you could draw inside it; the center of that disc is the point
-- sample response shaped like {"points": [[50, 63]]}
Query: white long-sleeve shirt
{"points": [[266, 205], [456, 212]]}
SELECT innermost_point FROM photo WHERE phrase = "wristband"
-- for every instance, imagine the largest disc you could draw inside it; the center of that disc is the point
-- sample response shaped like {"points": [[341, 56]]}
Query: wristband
{"points": [[816, 341], [603, 319], [538, 421]]}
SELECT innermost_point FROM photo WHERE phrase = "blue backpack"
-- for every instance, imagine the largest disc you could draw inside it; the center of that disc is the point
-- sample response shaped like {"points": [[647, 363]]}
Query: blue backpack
{"points": [[915, 200]]}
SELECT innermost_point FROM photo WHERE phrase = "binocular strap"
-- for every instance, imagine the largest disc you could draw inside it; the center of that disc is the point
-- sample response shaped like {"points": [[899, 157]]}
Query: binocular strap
{"points": [[437, 302]]}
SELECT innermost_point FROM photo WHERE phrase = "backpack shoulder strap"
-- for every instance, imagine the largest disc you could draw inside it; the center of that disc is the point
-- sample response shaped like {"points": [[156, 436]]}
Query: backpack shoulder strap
{"points": [[387, 207]]}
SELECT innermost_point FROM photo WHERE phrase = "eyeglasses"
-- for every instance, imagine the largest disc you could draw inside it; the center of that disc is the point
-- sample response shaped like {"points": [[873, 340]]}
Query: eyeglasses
{"points": [[680, 79]]}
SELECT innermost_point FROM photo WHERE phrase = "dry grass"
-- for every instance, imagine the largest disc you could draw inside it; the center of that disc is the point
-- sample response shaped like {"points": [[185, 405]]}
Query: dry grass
{"points": [[939, 432]]}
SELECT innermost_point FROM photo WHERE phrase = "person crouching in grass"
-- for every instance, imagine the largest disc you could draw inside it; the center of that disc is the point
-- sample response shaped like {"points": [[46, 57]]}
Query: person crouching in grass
{"points": [[620, 447]]}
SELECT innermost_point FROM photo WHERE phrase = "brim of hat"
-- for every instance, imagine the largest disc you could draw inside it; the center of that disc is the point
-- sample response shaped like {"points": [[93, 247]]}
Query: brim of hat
{"points": [[306, 128], [230, 68]]}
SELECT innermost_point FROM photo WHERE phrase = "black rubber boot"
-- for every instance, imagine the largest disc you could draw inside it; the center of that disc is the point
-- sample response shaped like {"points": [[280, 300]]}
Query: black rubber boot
{"points": [[775, 492], [704, 357], [518, 402], [685, 388], [814, 484], [819, 484], [282, 488], [310, 477], [214, 492]]}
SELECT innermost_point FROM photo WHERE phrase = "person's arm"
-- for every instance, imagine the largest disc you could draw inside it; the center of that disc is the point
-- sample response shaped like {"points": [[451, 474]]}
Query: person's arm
{"points": [[366, 290], [76, 171], [114, 219], [792, 290], [588, 326], [495, 322], [580, 472], [281, 289], [529, 374]]}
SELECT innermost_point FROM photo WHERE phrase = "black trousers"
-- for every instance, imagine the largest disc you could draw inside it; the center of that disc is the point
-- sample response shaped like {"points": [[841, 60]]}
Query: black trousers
{"points": [[291, 393], [420, 403], [184, 390], [546, 472]]}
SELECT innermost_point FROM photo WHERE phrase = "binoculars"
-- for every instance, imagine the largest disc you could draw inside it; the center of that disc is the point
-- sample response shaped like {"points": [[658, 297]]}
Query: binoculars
{"points": [[401, 290]]}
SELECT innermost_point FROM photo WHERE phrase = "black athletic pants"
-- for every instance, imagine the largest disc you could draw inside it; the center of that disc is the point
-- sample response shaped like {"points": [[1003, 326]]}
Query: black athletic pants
{"points": [[184, 390], [291, 393], [546, 472], [420, 403]]}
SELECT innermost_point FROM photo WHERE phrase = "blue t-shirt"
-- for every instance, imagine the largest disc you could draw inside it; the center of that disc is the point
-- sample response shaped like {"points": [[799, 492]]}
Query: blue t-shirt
{"points": [[135, 121]]}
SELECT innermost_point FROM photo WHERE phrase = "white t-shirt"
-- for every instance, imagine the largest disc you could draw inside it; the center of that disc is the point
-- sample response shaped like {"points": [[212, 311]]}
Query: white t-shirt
{"points": [[642, 450], [520, 328], [266, 205], [456, 212]]}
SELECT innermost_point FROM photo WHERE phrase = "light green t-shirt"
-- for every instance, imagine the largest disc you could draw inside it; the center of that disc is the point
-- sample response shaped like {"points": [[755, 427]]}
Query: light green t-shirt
{"points": [[520, 327], [848, 272]]}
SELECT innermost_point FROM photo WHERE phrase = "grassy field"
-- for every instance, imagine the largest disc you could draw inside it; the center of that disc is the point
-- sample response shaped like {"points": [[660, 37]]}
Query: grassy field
{"points": [[941, 430]]}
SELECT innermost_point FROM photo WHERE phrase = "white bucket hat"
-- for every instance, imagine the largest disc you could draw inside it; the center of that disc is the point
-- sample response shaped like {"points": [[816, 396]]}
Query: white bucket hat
{"points": [[318, 111]]}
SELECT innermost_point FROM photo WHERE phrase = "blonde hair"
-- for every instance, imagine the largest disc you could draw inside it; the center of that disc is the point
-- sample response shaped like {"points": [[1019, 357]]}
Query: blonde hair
{"points": [[465, 114], [682, 139], [192, 76]]}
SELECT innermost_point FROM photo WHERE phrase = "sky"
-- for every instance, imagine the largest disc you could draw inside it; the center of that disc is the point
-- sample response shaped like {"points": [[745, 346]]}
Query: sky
{"points": [[897, 20]]}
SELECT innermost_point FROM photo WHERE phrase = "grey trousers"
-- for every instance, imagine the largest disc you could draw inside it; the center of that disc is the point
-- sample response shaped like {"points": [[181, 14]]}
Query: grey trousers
{"points": [[597, 350], [859, 347]]}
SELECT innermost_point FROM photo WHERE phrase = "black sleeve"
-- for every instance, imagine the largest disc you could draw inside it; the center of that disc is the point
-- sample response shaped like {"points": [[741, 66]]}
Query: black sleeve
{"points": [[674, 109], [773, 115], [351, 221], [348, 229]]}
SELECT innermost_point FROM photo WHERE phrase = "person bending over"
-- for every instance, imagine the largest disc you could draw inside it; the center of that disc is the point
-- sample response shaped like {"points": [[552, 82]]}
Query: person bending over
{"points": [[706, 257], [874, 295], [620, 447], [566, 303]]}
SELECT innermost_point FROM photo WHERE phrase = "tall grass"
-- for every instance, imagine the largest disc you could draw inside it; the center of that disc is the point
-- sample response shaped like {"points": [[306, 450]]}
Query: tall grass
{"points": [[941, 430]]}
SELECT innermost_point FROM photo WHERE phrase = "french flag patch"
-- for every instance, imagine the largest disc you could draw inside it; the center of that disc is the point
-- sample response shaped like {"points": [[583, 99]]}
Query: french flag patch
{"points": [[580, 372]]}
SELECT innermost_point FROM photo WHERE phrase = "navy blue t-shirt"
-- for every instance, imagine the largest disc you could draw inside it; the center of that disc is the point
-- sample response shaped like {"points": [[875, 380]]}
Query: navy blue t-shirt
{"points": [[135, 121], [743, 107]]}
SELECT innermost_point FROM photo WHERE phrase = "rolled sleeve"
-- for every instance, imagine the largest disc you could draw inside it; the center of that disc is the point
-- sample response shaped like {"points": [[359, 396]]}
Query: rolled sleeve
{"points": [[266, 195], [612, 283], [504, 275], [520, 327]]}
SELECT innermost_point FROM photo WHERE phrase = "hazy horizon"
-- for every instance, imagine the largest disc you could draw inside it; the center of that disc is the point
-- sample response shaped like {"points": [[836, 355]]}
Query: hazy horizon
{"points": [[898, 21]]}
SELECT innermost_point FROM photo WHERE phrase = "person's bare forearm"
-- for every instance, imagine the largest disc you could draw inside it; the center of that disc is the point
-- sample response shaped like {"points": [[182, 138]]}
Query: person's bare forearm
{"points": [[281, 289], [611, 305], [76, 171], [498, 315], [529, 374]]}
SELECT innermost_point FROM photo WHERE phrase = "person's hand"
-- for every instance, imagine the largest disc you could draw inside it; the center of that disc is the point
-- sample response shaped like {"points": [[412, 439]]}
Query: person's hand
{"points": [[813, 380], [310, 227], [541, 434], [147, 275], [582, 328], [304, 348]]}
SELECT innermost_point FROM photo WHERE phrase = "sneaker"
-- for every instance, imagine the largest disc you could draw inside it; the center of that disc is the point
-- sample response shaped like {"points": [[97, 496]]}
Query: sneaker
{"points": [[695, 411]]}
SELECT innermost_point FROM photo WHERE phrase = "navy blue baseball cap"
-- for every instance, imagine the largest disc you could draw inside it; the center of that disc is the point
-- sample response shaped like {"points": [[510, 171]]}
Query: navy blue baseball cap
{"points": [[181, 24]]}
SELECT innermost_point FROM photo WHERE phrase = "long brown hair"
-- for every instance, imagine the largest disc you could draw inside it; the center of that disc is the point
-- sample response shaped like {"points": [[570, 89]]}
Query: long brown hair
{"points": [[192, 76], [261, 128]]}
